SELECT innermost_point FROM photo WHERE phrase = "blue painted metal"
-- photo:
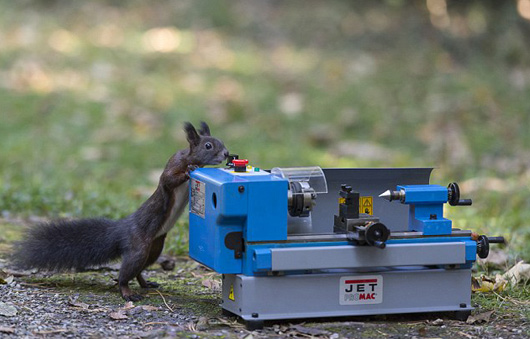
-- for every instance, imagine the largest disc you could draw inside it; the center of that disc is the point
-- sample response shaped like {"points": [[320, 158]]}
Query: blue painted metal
{"points": [[254, 204], [426, 209]]}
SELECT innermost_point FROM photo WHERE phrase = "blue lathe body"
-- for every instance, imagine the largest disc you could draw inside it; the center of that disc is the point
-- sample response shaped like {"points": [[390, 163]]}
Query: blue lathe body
{"points": [[307, 242]]}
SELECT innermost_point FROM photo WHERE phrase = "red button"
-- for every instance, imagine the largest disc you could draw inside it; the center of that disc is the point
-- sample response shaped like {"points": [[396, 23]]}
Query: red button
{"points": [[240, 162]]}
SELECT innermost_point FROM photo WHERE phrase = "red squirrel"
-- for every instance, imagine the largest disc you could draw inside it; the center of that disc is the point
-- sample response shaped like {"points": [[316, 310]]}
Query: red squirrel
{"points": [[138, 238]]}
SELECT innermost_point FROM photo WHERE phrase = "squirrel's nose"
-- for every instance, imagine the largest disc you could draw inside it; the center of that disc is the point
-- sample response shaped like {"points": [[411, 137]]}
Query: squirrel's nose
{"points": [[227, 154]]}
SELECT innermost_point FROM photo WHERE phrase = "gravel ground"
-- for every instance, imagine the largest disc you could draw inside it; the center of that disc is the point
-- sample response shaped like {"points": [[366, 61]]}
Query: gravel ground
{"points": [[63, 306]]}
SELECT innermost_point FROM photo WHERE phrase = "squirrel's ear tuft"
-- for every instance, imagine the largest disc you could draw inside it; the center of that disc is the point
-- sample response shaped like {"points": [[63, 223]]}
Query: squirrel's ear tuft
{"points": [[205, 130], [191, 134]]}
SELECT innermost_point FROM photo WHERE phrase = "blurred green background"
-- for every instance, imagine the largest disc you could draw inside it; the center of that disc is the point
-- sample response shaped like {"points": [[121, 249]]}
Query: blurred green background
{"points": [[93, 95]]}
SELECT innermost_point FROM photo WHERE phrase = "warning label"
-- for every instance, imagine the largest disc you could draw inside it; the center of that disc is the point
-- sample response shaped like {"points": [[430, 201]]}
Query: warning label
{"points": [[366, 205], [361, 290], [198, 197], [231, 294]]}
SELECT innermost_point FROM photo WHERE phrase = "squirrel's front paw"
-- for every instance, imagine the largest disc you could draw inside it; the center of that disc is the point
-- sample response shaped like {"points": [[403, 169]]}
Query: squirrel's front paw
{"points": [[191, 168]]}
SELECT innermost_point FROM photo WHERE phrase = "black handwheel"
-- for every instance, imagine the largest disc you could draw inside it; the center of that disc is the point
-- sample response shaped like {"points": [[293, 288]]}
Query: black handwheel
{"points": [[483, 246], [454, 193], [376, 235]]}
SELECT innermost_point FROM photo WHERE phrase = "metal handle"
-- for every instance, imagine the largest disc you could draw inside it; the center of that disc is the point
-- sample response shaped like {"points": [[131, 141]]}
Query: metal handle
{"points": [[483, 244], [497, 240], [464, 202]]}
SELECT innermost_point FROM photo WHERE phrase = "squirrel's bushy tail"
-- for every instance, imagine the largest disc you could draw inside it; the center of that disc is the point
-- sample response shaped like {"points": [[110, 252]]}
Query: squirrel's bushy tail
{"points": [[69, 244]]}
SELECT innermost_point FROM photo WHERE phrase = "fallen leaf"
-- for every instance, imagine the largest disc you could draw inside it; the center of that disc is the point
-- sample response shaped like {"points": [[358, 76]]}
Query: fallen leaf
{"points": [[18, 274], [5, 278], [519, 272], [437, 322], [7, 310], [484, 284], [226, 322], [4, 329], [128, 305], [149, 308], [79, 304], [118, 315], [479, 318], [308, 330], [212, 284], [500, 283]]}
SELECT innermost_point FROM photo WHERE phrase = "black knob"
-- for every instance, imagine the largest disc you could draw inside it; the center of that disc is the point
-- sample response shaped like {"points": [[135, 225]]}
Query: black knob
{"points": [[483, 246], [453, 196]]}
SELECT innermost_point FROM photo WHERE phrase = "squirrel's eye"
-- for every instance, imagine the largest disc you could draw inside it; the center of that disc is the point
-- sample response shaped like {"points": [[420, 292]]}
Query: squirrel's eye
{"points": [[208, 145]]}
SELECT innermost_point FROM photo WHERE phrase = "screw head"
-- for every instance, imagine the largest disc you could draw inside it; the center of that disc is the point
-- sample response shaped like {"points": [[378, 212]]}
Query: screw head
{"points": [[241, 189]]}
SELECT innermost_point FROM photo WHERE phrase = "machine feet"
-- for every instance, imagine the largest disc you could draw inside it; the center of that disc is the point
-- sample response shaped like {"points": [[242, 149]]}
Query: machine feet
{"points": [[254, 325], [251, 325], [462, 315]]}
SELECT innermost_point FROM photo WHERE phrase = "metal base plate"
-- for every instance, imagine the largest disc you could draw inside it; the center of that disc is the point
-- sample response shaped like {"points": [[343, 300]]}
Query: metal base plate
{"points": [[343, 293]]}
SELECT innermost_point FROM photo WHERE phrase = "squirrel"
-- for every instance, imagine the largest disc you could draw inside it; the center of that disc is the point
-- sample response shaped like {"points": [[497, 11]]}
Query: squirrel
{"points": [[138, 238]]}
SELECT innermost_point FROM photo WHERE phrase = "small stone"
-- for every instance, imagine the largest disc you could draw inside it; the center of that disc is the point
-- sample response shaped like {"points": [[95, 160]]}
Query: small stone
{"points": [[437, 322], [7, 310]]}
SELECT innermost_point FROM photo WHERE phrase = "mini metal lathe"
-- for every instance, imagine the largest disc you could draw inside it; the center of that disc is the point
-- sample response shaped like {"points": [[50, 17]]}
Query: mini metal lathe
{"points": [[307, 242]]}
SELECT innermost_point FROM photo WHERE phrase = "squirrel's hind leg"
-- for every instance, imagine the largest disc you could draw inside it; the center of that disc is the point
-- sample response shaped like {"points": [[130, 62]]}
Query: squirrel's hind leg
{"points": [[154, 253], [131, 267], [146, 283]]}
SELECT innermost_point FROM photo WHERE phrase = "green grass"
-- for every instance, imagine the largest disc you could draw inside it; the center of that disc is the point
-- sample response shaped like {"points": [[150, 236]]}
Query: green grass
{"points": [[510, 306], [89, 112]]}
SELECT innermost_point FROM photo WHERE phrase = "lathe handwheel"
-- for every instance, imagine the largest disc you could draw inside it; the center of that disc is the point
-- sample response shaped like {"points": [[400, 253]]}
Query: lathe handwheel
{"points": [[376, 235], [483, 246]]}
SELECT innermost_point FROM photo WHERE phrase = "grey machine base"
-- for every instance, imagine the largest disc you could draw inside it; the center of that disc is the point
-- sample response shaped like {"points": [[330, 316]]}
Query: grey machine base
{"points": [[408, 290]]}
